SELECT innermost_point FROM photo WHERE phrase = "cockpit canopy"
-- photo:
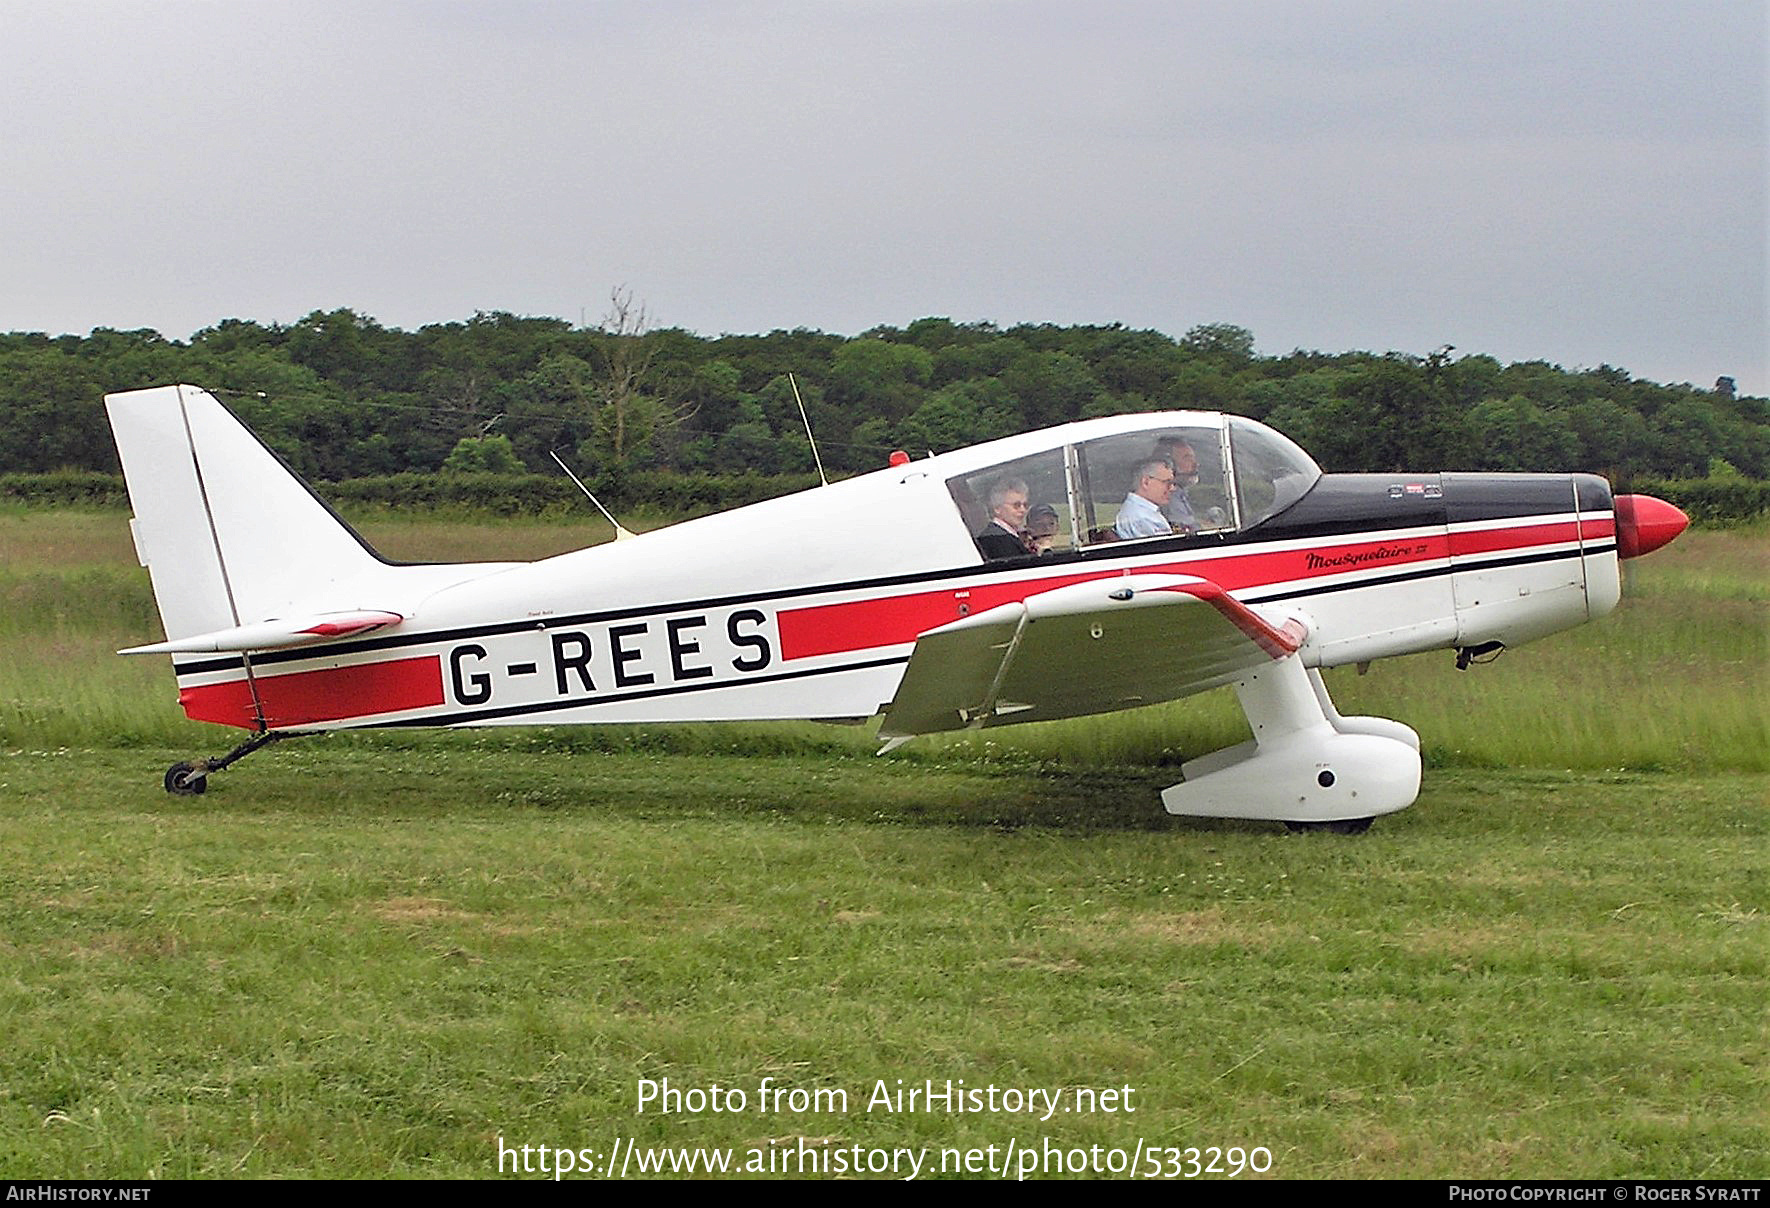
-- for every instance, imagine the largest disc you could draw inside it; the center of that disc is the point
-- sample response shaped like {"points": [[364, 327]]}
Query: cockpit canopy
{"points": [[1184, 474]]}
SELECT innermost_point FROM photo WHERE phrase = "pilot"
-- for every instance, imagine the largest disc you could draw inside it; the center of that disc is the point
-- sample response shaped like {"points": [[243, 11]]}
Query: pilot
{"points": [[1141, 513], [1001, 538], [1179, 454]]}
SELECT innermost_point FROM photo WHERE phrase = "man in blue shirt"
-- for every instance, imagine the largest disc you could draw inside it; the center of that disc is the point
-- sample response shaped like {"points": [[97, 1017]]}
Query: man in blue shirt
{"points": [[1141, 513]]}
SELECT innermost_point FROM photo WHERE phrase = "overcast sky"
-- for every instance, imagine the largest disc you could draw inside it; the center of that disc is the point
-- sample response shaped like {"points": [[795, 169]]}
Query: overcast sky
{"points": [[1580, 182]]}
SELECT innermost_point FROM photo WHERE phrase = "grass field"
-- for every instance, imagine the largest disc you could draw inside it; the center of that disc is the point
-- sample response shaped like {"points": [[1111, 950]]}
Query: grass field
{"points": [[375, 955]]}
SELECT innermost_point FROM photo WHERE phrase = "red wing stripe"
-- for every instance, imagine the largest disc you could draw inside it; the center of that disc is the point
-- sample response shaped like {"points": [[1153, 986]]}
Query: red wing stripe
{"points": [[1275, 642], [333, 694], [358, 623]]}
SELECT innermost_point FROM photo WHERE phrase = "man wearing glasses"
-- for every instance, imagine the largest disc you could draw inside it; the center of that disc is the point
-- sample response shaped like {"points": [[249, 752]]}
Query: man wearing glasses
{"points": [[1141, 515]]}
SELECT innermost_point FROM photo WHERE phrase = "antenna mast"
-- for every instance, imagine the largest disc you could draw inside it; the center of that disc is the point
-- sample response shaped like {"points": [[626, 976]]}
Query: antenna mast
{"points": [[815, 455], [621, 534]]}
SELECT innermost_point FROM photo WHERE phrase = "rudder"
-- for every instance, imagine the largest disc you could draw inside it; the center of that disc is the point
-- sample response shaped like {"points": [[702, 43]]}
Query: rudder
{"points": [[230, 536]]}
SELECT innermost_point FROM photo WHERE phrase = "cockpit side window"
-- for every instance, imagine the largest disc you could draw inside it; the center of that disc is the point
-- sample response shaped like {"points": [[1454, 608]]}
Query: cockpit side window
{"points": [[1154, 483], [1019, 509], [1271, 472]]}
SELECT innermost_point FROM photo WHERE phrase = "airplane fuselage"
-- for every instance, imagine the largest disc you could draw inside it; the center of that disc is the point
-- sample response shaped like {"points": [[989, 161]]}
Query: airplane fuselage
{"points": [[1099, 566], [808, 606]]}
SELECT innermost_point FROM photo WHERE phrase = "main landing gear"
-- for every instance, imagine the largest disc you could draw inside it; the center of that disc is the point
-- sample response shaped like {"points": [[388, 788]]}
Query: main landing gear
{"points": [[1306, 766], [191, 778]]}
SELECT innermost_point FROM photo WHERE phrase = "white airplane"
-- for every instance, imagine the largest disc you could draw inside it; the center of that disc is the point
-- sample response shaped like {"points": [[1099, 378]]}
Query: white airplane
{"points": [[896, 594]]}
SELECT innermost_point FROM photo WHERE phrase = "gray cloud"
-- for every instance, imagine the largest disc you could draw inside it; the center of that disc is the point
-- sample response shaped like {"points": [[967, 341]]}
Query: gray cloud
{"points": [[1576, 182]]}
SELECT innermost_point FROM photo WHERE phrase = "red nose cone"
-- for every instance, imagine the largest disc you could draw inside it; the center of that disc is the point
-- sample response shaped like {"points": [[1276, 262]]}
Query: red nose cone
{"points": [[1644, 523]]}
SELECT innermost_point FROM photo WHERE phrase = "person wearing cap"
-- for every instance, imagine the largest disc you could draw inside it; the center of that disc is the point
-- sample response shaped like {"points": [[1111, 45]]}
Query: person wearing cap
{"points": [[1041, 529]]}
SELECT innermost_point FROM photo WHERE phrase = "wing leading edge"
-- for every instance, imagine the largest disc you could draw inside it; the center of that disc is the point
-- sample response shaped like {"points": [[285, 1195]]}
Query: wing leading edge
{"points": [[1087, 648]]}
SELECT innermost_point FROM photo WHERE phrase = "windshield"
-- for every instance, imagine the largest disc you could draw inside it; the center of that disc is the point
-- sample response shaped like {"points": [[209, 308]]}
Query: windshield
{"points": [[1271, 472]]}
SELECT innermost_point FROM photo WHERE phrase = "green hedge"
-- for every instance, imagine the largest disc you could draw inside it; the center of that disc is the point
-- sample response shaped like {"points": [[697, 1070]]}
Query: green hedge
{"points": [[501, 494], [1708, 501], [530, 494], [87, 487]]}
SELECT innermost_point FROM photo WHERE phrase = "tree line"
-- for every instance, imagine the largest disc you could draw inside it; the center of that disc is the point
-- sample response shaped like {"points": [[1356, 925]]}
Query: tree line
{"points": [[340, 397]]}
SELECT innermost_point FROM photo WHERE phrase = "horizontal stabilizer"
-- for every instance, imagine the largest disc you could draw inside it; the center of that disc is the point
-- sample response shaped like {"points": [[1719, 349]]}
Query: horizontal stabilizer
{"points": [[275, 634]]}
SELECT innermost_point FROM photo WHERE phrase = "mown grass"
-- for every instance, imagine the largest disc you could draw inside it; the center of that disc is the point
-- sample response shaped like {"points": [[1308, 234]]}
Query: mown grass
{"points": [[365, 962], [372, 955]]}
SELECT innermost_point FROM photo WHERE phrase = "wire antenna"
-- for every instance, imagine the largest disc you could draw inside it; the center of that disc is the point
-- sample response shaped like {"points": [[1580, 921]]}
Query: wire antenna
{"points": [[815, 455], [621, 534]]}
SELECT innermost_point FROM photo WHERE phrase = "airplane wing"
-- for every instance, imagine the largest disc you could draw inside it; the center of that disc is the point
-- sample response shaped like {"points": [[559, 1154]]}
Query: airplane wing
{"points": [[275, 634], [1086, 648]]}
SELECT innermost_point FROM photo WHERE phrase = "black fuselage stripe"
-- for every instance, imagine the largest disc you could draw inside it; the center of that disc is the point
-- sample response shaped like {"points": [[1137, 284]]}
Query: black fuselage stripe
{"points": [[541, 707], [1461, 566], [554, 706], [339, 649], [1111, 552], [1100, 554]]}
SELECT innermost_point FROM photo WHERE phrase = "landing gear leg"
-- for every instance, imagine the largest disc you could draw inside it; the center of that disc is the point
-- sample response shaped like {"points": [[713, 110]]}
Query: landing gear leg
{"points": [[191, 778]]}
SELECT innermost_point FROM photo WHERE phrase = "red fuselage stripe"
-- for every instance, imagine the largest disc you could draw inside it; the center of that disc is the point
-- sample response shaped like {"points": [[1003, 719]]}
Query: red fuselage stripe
{"points": [[867, 624], [1489, 541], [333, 694], [398, 685], [864, 624]]}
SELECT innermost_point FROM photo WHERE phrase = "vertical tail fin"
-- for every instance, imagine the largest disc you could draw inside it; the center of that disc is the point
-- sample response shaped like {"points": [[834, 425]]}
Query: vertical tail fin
{"points": [[228, 533]]}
